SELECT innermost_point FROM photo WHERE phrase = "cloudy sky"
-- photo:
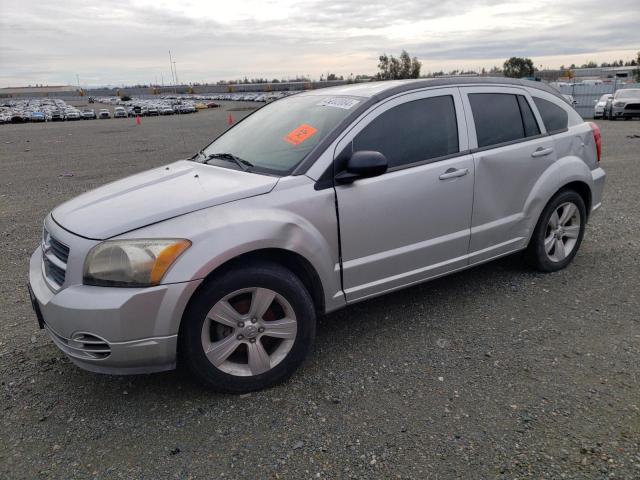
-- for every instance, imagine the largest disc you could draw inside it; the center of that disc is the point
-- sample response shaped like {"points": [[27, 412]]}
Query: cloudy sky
{"points": [[119, 42]]}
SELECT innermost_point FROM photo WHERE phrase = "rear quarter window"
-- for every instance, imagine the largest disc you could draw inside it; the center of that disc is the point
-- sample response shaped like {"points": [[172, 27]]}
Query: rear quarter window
{"points": [[554, 117]]}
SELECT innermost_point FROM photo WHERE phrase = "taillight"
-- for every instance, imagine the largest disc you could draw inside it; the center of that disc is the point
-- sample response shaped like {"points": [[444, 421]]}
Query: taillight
{"points": [[597, 136]]}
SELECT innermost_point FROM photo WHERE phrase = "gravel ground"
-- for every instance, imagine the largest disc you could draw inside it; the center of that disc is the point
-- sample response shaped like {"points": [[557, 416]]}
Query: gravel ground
{"points": [[496, 372]]}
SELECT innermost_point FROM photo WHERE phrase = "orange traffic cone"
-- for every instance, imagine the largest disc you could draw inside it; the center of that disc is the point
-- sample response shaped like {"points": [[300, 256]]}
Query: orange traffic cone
{"points": [[138, 121], [230, 120]]}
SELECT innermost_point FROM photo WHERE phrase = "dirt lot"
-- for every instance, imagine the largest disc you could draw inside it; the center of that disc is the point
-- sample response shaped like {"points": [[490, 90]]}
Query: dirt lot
{"points": [[497, 372]]}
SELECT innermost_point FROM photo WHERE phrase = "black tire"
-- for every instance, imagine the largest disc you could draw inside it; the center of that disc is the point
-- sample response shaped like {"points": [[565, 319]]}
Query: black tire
{"points": [[262, 275], [535, 253]]}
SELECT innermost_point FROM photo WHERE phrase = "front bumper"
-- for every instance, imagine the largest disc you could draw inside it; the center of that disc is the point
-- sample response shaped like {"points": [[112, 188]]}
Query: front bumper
{"points": [[112, 330], [623, 112]]}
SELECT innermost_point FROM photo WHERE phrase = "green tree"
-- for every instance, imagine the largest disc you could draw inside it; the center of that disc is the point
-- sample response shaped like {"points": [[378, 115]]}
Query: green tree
{"points": [[405, 65], [383, 67], [392, 68], [517, 67], [416, 66]]}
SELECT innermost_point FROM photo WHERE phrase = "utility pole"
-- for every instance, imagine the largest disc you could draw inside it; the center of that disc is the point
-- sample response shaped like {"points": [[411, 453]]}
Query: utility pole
{"points": [[173, 77]]}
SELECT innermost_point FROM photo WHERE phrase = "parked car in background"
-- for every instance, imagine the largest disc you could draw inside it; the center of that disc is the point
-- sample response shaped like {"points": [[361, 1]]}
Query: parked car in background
{"points": [[57, 116], [624, 104], [166, 110], [104, 113], [72, 114], [598, 109], [152, 112], [19, 117], [88, 114], [119, 112], [37, 117], [312, 203]]}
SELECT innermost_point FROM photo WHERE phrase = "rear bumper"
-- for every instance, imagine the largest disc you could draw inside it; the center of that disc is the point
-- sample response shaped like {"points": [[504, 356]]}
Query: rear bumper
{"points": [[598, 177], [112, 330]]}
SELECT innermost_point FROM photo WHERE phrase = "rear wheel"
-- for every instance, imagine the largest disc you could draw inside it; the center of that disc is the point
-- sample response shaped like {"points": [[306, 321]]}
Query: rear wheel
{"points": [[558, 233], [248, 329]]}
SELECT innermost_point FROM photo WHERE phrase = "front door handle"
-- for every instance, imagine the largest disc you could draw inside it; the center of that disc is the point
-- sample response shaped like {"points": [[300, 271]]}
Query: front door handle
{"points": [[541, 152], [453, 173]]}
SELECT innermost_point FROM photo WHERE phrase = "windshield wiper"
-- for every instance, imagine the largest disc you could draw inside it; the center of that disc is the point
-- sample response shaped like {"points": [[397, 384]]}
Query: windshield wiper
{"points": [[244, 165]]}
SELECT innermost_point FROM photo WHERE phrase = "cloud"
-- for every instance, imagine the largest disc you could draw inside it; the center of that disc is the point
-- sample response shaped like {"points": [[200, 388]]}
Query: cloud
{"points": [[127, 41]]}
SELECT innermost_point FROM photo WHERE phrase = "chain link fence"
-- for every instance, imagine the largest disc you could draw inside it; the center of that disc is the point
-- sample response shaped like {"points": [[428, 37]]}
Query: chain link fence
{"points": [[586, 96]]}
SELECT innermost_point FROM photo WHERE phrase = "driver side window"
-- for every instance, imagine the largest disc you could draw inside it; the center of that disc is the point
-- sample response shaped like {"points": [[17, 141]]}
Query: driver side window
{"points": [[413, 132]]}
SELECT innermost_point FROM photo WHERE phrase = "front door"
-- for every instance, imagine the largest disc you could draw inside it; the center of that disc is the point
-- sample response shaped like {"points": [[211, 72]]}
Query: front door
{"points": [[413, 222]]}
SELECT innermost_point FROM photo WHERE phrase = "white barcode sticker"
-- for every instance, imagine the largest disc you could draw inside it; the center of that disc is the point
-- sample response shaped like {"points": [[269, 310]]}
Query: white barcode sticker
{"points": [[338, 102]]}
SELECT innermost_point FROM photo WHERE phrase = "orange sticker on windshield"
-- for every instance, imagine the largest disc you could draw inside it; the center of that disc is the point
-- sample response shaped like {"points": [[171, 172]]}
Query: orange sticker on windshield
{"points": [[300, 134]]}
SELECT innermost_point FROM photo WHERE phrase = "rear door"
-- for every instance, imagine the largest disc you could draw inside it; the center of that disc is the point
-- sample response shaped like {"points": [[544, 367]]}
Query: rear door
{"points": [[413, 222], [511, 150]]}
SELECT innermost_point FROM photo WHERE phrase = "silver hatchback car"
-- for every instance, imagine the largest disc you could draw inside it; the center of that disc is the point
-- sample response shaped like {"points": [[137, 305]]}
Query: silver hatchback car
{"points": [[223, 261]]}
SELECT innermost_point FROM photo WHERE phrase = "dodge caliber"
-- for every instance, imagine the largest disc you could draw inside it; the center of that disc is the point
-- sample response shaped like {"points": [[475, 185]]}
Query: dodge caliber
{"points": [[222, 262]]}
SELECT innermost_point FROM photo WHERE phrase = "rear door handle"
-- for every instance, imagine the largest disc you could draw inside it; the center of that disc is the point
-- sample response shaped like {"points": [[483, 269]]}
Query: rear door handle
{"points": [[453, 173], [541, 152]]}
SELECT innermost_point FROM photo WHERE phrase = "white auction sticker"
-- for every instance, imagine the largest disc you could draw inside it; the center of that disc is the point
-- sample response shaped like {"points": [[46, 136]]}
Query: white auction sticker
{"points": [[338, 102]]}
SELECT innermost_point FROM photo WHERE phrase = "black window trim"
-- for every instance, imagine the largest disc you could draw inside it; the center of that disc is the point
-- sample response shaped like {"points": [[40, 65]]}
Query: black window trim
{"points": [[532, 113], [511, 142]]}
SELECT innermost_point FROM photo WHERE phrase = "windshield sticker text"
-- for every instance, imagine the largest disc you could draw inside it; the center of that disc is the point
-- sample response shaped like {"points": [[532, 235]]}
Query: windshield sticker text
{"points": [[300, 134], [338, 102]]}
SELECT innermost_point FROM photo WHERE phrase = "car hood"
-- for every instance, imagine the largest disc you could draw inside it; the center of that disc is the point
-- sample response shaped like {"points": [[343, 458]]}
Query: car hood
{"points": [[625, 100], [156, 195]]}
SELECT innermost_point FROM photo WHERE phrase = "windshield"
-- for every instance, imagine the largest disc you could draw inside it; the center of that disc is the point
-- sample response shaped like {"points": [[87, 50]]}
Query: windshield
{"points": [[279, 135], [628, 93], [605, 97]]}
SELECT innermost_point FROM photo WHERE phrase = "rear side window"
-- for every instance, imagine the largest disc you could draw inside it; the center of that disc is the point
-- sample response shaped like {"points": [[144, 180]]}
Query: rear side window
{"points": [[413, 132], [501, 118], [555, 118]]}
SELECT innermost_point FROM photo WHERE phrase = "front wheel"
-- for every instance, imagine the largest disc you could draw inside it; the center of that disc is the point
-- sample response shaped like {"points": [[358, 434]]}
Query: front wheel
{"points": [[558, 233], [248, 329]]}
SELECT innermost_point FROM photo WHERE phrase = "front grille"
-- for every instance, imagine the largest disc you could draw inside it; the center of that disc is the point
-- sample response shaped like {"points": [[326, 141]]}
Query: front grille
{"points": [[55, 255], [54, 272], [632, 106]]}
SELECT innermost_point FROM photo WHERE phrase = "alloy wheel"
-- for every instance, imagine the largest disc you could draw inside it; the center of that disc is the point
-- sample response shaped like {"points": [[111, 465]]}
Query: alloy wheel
{"points": [[562, 232], [249, 331]]}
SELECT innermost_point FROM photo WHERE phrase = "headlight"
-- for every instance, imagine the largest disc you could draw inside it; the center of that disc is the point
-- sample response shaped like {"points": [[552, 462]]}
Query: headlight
{"points": [[619, 104], [131, 263]]}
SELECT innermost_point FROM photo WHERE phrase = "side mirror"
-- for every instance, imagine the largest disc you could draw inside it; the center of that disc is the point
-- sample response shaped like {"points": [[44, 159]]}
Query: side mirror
{"points": [[363, 164]]}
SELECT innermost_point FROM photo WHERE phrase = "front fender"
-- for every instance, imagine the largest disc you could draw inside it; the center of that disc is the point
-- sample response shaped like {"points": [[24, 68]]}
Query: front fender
{"points": [[307, 227]]}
